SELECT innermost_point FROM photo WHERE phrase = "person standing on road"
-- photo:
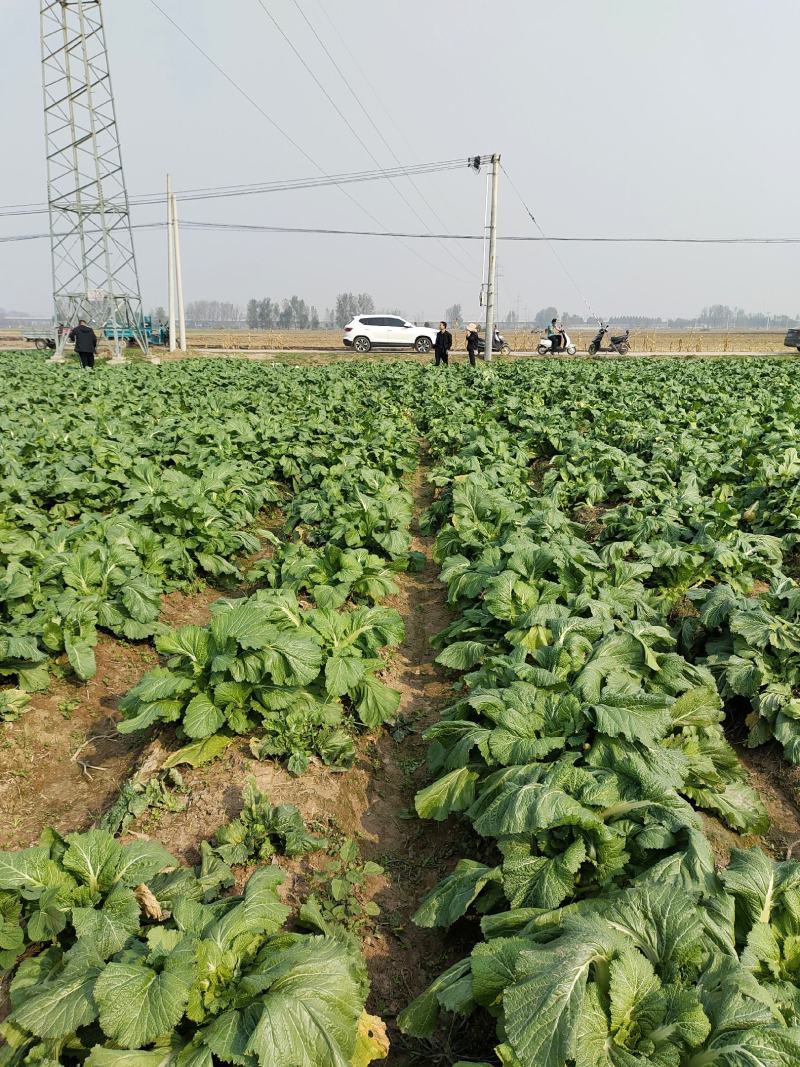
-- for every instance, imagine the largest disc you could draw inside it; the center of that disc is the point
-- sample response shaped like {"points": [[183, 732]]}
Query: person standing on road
{"points": [[85, 340], [472, 343], [442, 345]]}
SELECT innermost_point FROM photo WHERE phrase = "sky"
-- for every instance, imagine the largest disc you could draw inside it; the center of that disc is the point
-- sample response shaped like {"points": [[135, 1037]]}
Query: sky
{"points": [[613, 117]]}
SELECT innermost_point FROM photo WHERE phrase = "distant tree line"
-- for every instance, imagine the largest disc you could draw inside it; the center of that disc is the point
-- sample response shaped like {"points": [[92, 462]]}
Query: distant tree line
{"points": [[291, 313], [348, 305], [294, 313], [715, 317], [720, 316], [213, 313]]}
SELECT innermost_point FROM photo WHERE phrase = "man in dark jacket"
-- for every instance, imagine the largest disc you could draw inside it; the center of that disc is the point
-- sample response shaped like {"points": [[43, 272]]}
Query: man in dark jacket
{"points": [[442, 345], [85, 340]]}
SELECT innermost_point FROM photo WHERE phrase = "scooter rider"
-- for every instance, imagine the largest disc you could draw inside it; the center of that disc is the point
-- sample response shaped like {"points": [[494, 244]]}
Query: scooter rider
{"points": [[556, 335]]}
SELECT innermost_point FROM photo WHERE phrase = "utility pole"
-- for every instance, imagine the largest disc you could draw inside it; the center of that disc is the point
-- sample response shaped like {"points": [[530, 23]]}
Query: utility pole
{"points": [[179, 276], [171, 263], [91, 243], [490, 281]]}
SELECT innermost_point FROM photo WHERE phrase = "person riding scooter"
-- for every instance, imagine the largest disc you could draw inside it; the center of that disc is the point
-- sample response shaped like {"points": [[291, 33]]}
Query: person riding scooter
{"points": [[499, 343], [555, 333]]}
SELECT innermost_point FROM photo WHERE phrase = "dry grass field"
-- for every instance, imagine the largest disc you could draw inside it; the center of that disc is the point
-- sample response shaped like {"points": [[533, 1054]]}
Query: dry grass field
{"points": [[642, 341], [520, 340]]}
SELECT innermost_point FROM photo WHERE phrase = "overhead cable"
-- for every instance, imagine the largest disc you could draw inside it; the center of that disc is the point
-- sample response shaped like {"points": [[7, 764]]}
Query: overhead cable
{"points": [[312, 74], [547, 240], [217, 192], [520, 238], [358, 97], [254, 103]]}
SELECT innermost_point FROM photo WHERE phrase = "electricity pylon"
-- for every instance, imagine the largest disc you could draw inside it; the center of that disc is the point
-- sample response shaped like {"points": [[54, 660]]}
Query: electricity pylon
{"points": [[94, 266]]}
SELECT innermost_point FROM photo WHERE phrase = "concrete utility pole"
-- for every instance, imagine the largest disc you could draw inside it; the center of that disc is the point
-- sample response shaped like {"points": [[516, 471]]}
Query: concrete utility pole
{"points": [[179, 276], [490, 282], [171, 263]]}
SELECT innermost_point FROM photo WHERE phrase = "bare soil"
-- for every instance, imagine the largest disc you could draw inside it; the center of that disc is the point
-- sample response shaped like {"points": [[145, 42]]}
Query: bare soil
{"points": [[778, 784], [63, 762]]}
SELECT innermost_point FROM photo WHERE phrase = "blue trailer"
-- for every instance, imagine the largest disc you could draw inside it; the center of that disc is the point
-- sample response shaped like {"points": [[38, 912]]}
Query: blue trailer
{"points": [[157, 336]]}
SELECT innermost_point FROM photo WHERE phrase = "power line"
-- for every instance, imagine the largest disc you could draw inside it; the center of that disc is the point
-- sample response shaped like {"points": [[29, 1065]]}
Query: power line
{"points": [[257, 188], [357, 97], [558, 258], [243, 92], [374, 94], [310, 71], [234, 227]]}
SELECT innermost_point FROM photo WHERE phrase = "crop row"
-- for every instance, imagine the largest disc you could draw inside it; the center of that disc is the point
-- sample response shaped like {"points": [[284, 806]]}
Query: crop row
{"points": [[608, 545], [147, 956]]}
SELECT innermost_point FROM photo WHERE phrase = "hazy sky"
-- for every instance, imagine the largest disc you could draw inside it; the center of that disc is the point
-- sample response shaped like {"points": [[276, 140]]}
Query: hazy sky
{"points": [[614, 118]]}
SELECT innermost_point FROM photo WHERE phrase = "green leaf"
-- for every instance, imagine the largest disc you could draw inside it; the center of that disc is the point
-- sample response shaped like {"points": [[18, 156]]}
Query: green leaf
{"points": [[110, 926], [114, 1057], [343, 673], [375, 702], [293, 660], [421, 1016], [81, 658], [635, 716], [544, 1005], [188, 641], [229, 1034], [94, 858], [29, 870], [202, 717], [543, 881], [198, 752], [260, 912], [452, 792], [61, 1006], [454, 894], [34, 679], [142, 859], [311, 1009], [141, 599], [137, 1005], [463, 655]]}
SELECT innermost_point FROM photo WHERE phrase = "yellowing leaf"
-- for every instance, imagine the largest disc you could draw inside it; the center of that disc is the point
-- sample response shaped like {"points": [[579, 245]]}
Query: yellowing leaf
{"points": [[372, 1042]]}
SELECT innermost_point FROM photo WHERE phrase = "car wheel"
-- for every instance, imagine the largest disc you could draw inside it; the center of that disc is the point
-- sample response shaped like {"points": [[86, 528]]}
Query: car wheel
{"points": [[423, 345], [362, 344], [542, 350], [40, 344], [572, 350]]}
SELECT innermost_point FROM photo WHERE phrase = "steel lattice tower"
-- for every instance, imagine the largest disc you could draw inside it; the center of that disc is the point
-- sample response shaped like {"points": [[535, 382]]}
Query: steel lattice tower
{"points": [[94, 266]]}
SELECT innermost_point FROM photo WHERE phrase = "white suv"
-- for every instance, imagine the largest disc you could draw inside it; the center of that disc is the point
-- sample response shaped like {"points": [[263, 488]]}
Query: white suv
{"points": [[387, 331]]}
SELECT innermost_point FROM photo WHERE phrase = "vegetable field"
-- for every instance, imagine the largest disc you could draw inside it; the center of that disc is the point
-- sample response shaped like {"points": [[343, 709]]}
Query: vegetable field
{"points": [[383, 712]]}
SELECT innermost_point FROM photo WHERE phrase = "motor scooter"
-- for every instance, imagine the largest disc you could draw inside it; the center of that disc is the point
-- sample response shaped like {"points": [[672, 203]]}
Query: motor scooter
{"points": [[546, 345], [499, 344], [619, 344]]}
